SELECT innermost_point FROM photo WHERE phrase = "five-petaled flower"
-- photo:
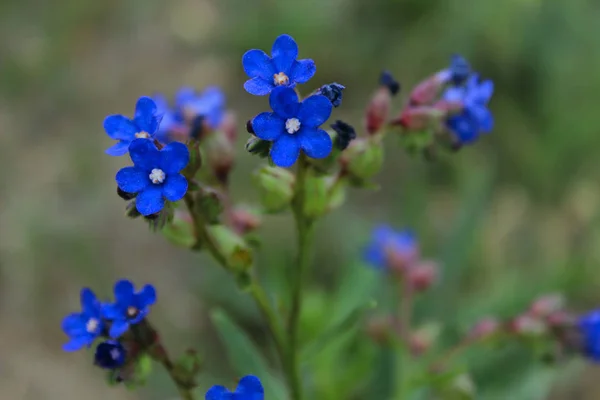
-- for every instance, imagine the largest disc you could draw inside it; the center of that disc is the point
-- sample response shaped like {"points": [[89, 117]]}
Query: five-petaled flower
{"points": [[589, 328], [155, 174], [391, 249], [144, 124], [110, 354], [129, 307], [84, 327], [475, 118], [282, 69], [249, 388], [294, 126]]}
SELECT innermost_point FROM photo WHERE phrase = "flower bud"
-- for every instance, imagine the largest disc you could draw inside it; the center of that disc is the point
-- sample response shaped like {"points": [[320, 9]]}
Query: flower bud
{"points": [[124, 195], [209, 204], [275, 186], [483, 328], [419, 118], [526, 325], [238, 254], [345, 133], [199, 128], [244, 220], [422, 339], [258, 146], [362, 159], [110, 355], [229, 127], [459, 69], [422, 275], [387, 80], [379, 329], [546, 305], [131, 210], [378, 110], [427, 91], [220, 154], [333, 92]]}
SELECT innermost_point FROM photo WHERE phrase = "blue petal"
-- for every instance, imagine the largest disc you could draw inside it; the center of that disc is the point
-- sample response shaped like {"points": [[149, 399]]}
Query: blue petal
{"points": [[258, 86], [89, 302], [382, 233], [268, 126], [257, 63], [146, 115], [111, 311], [251, 387], [147, 296], [175, 187], [124, 292], [374, 255], [285, 151], [119, 127], [73, 324], [118, 328], [464, 128], [284, 101], [284, 53], [144, 154], [302, 71], [486, 90], [218, 393], [132, 179], [314, 111], [316, 143], [150, 200], [118, 149], [76, 344], [484, 117], [184, 96], [174, 157]]}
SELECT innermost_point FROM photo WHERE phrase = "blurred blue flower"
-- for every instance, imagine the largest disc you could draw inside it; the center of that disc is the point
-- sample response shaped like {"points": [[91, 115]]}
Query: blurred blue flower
{"points": [[110, 355], [475, 117], [459, 69], [129, 307], [249, 388], [155, 175], [391, 249], [294, 126], [589, 327], [282, 69], [84, 327], [144, 125]]}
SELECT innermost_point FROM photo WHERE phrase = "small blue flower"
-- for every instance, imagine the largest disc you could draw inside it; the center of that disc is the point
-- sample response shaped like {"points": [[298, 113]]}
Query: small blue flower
{"points": [[210, 104], [144, 125], [281, 69], [589, 327], [294, 126], [249, 388], [155, 174], [110, 355], [475, 118], [84, 327], [390, 247], [129, 307], [171, 119]]}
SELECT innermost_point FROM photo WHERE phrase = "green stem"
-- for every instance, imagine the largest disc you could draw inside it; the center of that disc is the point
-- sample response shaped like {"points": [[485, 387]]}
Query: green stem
{"points": [[401, 389], [305, 230], [203, 238]]}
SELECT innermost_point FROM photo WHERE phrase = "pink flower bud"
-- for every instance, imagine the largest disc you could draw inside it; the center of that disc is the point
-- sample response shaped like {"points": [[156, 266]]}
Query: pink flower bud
{"points": [[427, 91], [546, 305], [244, 220], [378, 110], [418, 118], [422, 275], [228, 127], [484, 327], [419, 344], [527, 325]]}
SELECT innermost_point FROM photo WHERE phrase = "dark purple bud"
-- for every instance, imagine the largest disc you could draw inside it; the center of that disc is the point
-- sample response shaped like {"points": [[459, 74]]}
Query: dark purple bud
{"points": [[198, 129], [110, 355], [459, 69], [387, 79], [333, 92], [124, 195], [345, 134], [249, 127]]}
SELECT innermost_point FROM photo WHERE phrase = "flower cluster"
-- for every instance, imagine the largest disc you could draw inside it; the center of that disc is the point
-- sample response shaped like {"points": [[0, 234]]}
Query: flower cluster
{"points": [[107, 320]]}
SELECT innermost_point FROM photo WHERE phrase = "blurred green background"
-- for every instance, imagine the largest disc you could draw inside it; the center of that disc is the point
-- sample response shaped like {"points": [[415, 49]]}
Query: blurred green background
{"points": [[511, 218]]}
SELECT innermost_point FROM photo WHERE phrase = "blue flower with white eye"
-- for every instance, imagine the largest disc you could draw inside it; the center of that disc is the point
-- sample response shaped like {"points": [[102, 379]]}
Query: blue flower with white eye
{"points": [[294, 126], [129, 308], [281, 69], [144, 124], [475, 117], [589, 328], [110, 355], [249, 388], [389, 247], [154, 175], [84, 327]]}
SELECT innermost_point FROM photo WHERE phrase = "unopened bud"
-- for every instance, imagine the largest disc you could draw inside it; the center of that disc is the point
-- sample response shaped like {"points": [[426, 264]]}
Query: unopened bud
{"points": [[546, 305], [209, 204], [560, 319], [275, 186], [333, 92], [422, 275], [235, 249], [459, 69], [345, 133], [229, 127], [526, 325], [244, 220], [379, 329], [378, 110], [131, 210], [258, 146], [199, 128], [220, 153], [124, 195], [483, 328], [427, 91], [387, 79], [422, 339], [418, 118], [362, 159]]}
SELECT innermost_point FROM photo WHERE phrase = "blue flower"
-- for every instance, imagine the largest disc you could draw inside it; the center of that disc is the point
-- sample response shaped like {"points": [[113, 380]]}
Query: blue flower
{"points": [[282, 69], [294, 126], [589, 327], [129, 307], [155, 174], [144, 125], [210, 104], [249, 388], [171, 120], [391, 249], [475, 118], [84, 327], [110, 355]]}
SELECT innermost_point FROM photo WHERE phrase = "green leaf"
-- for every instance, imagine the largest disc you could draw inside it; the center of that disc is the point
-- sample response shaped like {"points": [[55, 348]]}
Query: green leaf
{"points": [[244, 356]]}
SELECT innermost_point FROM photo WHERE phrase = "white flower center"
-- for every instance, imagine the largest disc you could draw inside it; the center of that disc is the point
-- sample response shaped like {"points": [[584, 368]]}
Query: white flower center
{"points": [[280, 79], [132, 311], [157, 176], [115, 354], [292, 125], [142, 135], [92, 325]]}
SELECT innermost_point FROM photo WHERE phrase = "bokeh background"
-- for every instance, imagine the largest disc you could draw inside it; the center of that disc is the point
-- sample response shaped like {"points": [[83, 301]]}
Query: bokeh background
{"points": [[511, 218]]}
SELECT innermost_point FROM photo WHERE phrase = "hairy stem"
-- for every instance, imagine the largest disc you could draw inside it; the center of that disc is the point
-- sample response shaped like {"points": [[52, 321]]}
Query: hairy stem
{"points": [[403, 349]]}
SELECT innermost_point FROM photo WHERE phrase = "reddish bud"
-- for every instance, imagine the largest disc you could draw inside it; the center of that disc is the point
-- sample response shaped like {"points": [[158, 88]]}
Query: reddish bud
{"points": [[220, 154], [379, 329], [421, 276], [559, 319], [418, 118], [546, 305], [378, 110], [449, 107], [244, 220], [419, 344], [228, 127], [427, 91], [483, 328], [527, 325]]}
